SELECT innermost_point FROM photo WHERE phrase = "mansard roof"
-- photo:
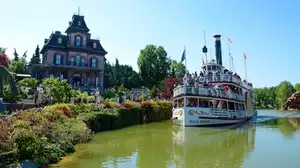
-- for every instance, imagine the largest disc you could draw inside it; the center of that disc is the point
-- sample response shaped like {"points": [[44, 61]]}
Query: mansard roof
{"points": [[63, 43], [77, 23]]}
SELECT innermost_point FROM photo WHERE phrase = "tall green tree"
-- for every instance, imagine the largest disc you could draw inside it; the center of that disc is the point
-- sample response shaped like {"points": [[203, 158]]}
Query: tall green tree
{"points": [[16, 55], [7, 78], [35, 59], [153, 64], [19, 66], [119, 74], [284, 90], [177, 69]]}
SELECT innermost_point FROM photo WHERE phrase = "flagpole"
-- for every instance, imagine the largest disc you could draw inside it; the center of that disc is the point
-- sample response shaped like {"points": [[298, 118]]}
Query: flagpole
{"points": [[245, 67], [185, 59], [205, 45], [229, 55]]}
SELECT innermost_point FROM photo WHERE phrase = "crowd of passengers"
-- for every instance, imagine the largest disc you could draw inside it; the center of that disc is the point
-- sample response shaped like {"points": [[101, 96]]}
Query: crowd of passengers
{"points": [[194, 79]]}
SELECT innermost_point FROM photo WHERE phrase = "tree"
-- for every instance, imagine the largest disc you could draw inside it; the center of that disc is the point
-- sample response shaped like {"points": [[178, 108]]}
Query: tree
{"points": [[122, 74], [284, 90], [297, 86], [7, 78], [4, 60], [16, 55], [153, 64], [177, 69], [35, 59], [19, 66]]}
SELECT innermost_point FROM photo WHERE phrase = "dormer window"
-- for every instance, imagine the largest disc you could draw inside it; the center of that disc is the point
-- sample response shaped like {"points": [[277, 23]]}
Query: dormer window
{"points": [[94, 45], [78, 41], [79, 23], [59, 40]]}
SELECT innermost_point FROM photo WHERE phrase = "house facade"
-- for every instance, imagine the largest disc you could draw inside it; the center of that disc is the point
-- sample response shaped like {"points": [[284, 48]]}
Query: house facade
{"points": [[73, 56]]}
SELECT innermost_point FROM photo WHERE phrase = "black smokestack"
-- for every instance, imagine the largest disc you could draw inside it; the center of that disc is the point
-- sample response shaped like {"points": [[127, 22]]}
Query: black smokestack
{"points": [[218, 49]]}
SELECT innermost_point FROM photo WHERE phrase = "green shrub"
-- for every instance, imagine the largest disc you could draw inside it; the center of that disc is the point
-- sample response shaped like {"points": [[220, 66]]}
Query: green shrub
{"points": [[44, 137]]}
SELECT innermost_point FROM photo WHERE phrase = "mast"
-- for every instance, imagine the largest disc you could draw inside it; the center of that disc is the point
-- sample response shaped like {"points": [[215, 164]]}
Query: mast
{"points": [[204, 50]]}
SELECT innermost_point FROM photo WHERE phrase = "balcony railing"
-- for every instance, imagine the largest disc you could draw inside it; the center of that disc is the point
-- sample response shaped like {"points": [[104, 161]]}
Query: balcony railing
{"points": [[74, 63], [225, 78], [207, 92]]}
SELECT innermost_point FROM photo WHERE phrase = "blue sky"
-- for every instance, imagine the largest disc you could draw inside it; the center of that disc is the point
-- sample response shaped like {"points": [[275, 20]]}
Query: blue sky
{"points": [[267, 31]]}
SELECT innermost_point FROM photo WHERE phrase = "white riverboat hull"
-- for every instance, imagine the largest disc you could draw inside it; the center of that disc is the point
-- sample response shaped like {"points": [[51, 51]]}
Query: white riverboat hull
{"points": [[208, 117]]}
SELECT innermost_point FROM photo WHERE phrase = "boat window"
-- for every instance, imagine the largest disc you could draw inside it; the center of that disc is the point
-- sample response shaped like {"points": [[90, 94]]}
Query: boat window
{"points": [[224, 105], [213, 68], [192, 102], [209, 68], [180, 102], [175, 103], [203, 103], [231, 106]]}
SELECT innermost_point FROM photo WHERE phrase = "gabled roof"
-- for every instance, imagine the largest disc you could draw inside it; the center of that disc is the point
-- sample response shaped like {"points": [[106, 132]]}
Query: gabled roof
{"points": [[77, 23]]}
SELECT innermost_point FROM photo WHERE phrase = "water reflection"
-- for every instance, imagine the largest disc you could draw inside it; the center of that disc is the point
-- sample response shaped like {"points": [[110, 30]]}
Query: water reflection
{"points": [[165, 145], [212, 147]]}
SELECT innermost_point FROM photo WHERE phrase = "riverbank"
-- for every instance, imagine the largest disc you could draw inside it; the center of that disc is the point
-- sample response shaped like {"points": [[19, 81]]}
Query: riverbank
{"points": [[45, 137]]}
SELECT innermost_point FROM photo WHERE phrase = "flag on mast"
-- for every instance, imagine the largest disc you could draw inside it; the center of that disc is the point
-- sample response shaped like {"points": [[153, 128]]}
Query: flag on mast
{"points": [[229, 39], [183, 56], [245, 57]]}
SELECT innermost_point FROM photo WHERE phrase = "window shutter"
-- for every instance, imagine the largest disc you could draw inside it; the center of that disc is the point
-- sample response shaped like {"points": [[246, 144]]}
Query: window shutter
{"points": [[54, 58], [61, 59]]}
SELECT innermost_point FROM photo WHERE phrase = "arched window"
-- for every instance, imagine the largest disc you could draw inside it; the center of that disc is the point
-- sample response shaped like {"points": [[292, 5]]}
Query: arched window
{"points": [[78, 41], [77, 60], [94, 63], [83, 61]]}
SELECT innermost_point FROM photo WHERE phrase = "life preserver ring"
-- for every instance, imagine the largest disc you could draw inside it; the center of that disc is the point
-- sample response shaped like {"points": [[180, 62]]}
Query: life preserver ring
{"points": [[201, 79]]}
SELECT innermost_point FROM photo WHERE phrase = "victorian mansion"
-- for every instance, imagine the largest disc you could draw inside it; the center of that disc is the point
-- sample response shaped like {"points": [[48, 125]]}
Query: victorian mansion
{"points": [[73, 56]]}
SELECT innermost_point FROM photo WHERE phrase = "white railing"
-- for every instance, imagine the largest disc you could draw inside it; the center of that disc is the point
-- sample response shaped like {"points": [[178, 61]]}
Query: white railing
{"points": [[225, 78], [208, 92], [227, 113]]}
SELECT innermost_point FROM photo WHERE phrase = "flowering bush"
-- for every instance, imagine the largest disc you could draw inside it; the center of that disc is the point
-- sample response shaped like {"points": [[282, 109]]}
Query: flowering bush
{"points": [[4, 60]]}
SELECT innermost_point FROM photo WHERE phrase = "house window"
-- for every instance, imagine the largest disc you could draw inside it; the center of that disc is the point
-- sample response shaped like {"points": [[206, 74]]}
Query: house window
{"points": [[58, 59], [97, 81], [83, 61], [51, 75], [94, 45], [79, 23], [94, 63], [78, 41], [77, 60], [72, 60], [59, 41]]}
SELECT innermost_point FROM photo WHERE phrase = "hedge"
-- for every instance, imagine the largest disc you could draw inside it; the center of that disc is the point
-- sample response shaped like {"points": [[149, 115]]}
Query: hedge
{"points": [[45, 136]]}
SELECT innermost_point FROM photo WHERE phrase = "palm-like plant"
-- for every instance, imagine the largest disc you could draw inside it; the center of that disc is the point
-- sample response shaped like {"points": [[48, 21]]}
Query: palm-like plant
{"points": [[7, 78]]}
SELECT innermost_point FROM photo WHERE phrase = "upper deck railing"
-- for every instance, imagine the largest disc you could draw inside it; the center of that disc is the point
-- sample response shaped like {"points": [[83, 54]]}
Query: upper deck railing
{"points": [[225, 78], [207, 92]]}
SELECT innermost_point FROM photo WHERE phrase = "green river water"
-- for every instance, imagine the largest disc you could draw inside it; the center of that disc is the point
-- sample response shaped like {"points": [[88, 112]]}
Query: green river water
{"points": [[274, 144]]}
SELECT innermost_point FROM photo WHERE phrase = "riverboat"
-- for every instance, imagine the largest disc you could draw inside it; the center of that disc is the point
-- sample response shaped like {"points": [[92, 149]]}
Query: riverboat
{"points": [[216, 96]]}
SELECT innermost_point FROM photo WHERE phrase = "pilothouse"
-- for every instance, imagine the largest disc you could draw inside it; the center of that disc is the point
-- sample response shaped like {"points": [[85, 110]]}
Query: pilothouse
{"points": [[214, 97]]}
